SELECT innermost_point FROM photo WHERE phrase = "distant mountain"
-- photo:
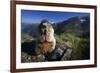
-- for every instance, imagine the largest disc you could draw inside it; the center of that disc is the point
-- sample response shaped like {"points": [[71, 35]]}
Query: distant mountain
{"points": [[30, 29], [75, 25]]}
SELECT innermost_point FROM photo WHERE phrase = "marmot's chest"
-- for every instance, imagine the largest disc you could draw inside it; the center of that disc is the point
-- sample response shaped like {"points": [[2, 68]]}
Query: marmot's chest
{"points": [[45, 47]]}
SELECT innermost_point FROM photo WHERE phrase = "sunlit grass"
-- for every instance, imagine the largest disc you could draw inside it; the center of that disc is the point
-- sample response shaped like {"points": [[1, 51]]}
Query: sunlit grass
{"points": [[78, 44]]}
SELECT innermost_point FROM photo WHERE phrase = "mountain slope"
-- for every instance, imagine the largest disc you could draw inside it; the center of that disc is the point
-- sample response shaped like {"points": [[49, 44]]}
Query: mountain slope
{"points": [[75, 25]]}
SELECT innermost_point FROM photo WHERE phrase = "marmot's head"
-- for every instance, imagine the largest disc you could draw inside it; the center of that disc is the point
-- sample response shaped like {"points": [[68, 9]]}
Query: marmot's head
{"points": [[46, 31]]}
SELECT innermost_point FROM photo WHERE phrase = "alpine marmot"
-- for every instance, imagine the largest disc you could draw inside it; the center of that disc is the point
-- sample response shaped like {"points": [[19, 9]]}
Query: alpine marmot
{"points": [[46, 40]]}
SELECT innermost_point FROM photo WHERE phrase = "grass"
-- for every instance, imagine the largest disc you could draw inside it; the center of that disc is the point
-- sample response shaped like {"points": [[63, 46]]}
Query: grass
{"points": [[79, 45], [26, 37]]}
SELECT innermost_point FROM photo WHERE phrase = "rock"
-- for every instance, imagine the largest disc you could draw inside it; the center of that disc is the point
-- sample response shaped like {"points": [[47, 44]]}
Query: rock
{"points": [[32, 58], [38, 58], [28, 47], [61, 45], [67, 55], [25, 57], [61, 53], [55, 55]]}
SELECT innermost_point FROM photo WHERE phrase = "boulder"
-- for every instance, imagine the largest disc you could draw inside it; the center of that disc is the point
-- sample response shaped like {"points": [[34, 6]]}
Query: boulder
{"points": [[67, 55], [38, 58], [25, 57], [55, 55]]}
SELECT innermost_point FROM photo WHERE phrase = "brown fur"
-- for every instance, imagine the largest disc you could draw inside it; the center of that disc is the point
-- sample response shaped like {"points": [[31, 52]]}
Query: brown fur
{"points": [[45, 48]]}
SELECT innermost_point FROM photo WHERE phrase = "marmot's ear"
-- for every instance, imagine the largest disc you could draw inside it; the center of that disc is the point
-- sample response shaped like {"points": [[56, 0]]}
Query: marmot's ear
{"points": [[44, 21]]}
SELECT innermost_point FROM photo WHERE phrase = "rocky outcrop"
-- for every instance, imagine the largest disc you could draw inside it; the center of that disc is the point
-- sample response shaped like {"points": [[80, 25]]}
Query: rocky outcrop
{"points": [[59, 54], [67, 55]]}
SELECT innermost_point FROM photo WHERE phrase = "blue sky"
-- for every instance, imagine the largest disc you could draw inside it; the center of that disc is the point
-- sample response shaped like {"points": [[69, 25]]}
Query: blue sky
{"points": [[34, 16]]}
